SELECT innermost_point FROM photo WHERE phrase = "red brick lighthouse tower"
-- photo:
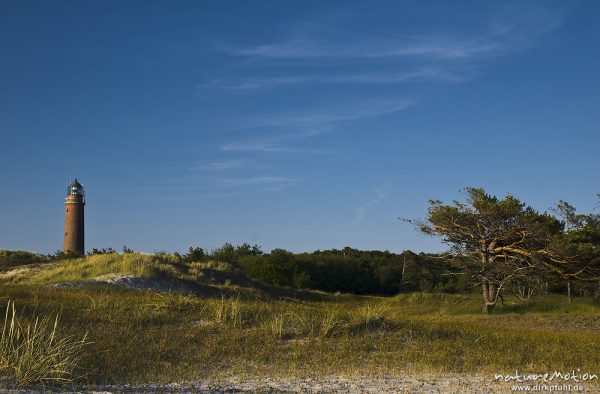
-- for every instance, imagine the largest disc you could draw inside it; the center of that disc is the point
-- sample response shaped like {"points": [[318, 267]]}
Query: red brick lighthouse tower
{"points": [[74, 202]]}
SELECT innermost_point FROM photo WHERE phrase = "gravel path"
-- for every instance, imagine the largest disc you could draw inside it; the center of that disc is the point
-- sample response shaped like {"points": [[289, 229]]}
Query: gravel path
{"points": [[448, 383], [431, 384]]}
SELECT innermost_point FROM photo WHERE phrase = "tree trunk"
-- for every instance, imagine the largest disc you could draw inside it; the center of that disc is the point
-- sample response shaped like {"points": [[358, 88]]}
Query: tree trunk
{"points": [[489, 295], [569, 290], [404, 265], [521, 292]]}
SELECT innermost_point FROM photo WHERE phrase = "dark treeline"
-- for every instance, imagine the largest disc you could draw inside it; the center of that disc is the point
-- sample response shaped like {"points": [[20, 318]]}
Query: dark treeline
{"points": [[354, 271], [373, 272], [346, 270]]}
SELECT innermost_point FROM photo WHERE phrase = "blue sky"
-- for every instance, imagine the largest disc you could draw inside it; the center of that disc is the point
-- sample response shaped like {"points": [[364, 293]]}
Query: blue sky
{"points": [[300, 125]]}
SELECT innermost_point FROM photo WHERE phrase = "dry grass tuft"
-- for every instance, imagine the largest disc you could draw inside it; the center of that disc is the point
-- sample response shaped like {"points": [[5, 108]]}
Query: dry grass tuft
{"points": [[35, 352], [229, 311]]}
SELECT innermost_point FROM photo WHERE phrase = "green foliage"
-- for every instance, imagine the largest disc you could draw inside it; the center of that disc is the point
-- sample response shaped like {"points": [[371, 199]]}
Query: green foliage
{"points": [[497, 241], [194, 255], [95, 251], [127, 250], [354, 271], [568, 214], [233, 254], [225, 253], [62, 255], [574, 255]]}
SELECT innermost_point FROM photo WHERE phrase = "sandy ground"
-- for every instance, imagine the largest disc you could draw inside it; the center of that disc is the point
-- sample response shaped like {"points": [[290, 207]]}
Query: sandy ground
{"points": [[446, 383], [135, 283]]}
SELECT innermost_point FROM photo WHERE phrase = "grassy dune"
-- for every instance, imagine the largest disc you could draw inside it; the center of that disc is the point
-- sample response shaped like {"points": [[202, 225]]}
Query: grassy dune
{"points": [[88, 268], [147, 336]]}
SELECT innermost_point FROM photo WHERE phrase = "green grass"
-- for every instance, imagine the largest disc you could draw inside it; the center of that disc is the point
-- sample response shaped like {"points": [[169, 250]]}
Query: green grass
{"points": [[144, 336]]}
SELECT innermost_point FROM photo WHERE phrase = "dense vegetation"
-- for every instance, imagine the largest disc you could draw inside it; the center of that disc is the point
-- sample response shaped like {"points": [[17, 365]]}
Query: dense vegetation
{"points": [[346, 270], [379, 273]]}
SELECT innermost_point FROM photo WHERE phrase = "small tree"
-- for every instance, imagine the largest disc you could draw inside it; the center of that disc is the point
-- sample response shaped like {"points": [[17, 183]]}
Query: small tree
{"points": [[246, 249], [494, 240], [568, 214], [62, 255], [96, 251], [225, 253], [575, 254], [194, 254], [127, 250]]}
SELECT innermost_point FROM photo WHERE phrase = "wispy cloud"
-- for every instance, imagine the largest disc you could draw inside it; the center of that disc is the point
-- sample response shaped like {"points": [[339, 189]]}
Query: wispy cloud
{"points": [[441, 47], [269, 147], [319, 119], [380, 195], [422, 74], [292, 127], [446, 55], [218, 165], [266, 182], [226, 185], [512, 28]]}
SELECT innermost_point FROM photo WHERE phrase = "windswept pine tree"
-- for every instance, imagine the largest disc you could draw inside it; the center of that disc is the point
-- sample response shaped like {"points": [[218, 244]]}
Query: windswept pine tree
{"points": [[495, 241]]}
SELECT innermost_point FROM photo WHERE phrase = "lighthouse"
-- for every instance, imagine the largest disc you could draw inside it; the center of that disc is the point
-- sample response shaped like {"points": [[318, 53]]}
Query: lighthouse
{"points": [[74, 235]]}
